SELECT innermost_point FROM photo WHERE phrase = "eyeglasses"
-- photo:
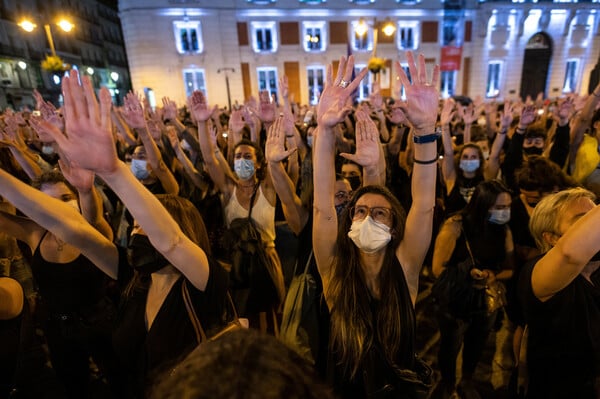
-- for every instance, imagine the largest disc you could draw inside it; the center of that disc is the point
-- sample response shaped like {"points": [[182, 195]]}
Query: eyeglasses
{"points": [[379, 214], [342, 195]]}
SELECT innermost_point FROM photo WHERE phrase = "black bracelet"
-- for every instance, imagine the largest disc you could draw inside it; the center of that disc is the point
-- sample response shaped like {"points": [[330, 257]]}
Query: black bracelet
{"points": [[434, 160], [428, 138]]}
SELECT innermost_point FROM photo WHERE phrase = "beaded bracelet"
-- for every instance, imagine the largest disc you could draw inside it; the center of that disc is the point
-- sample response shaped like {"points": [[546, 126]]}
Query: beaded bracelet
{"points": [[428, 138]]}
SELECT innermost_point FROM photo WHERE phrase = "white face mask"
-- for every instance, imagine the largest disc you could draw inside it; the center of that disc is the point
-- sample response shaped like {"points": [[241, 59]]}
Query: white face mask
{"points": [[500, 216], [244, 168], [369, 235], [139, 168], [74, 204]]}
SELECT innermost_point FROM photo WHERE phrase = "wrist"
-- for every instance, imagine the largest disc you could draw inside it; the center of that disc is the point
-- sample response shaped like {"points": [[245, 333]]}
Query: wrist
{"points": [[426, 138]]}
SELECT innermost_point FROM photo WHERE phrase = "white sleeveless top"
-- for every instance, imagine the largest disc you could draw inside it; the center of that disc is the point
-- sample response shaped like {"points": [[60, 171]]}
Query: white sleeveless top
{"points": [[263, 214]]}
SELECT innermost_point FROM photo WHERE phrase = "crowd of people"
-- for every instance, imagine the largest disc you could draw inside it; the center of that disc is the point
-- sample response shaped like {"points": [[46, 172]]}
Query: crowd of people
{"points": [[148, 252]]}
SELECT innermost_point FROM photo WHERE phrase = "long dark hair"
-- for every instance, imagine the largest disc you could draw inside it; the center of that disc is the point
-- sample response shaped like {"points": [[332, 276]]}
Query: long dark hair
{"points": [[486, 239], [479, 171], [261, 163], [354, 327]]}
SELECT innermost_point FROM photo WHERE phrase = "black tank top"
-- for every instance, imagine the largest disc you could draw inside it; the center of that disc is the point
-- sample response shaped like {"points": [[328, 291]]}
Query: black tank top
{"points": [[68, 288]]}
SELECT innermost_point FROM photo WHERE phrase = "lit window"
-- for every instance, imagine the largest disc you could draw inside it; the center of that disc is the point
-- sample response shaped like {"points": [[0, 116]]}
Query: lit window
{"points": [[364, 89], [451, 31], [267, 80], [448, 83], [264, 37], [315, 75], [570, 84], [188, 37], [194, 80], [407, 72], [315, 36], [408, 35], [364, 40], [493, 79]]}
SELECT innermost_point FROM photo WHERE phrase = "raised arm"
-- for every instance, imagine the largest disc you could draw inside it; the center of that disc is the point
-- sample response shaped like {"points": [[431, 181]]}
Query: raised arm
{"points": [[421, 111], [201, 113], [331, 110], [448, 167], [89, 144], [295, 214], [493, 163], [134, 115]]}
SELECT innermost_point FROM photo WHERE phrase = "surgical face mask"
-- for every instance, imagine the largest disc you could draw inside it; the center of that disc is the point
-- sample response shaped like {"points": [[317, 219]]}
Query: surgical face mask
{"points": [[244, 168], [47, 149], [73, 204], [310, 140], [139, 168], [533, 150], [469, 165], [499, 216], [369, 235]]}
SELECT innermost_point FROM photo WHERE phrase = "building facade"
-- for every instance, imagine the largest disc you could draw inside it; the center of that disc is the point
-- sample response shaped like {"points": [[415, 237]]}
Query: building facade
{"points": [[234, 48], [94, 46]]}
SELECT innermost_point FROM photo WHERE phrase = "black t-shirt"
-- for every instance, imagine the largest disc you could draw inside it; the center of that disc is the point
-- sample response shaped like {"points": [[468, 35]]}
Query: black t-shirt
{"points": [[461, 193], [563, 348], [143, 354]]}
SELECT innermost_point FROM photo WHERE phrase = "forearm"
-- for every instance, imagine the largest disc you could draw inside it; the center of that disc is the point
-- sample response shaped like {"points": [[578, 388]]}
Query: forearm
{"points": [[92, 211], [375, 175], [190, 170], [424, 176], [383, 130], [27, 163], [153, 154], [294, 214], [467, 133]]}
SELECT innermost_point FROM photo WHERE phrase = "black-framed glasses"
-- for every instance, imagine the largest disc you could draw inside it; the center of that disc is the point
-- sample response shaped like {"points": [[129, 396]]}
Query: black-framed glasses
{"points": [[379, 214]]}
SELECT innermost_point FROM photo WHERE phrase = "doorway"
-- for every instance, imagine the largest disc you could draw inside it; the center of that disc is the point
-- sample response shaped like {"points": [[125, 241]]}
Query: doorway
{"points": [[536, 64]]}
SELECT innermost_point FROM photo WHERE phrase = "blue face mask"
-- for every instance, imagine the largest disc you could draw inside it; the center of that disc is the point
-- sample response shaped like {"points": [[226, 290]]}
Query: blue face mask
{"points": [[469, 165], [139, 168], [499, 216], [244, 168]]}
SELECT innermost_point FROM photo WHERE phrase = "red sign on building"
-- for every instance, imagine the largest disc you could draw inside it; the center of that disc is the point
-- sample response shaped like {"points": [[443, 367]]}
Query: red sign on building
{"points": [[451, 56]]}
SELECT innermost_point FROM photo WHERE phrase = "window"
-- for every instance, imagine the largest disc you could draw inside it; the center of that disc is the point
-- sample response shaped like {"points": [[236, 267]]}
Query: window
{"points": [[264, 37], [315, 75], [448, 83], [493, 79], [362, 1], [194, 80], [451, 32], [315, 38], [364, 89], [408, 35], [570, 84], [267, 80], [407, 72], [188, 37], [363, 42]]}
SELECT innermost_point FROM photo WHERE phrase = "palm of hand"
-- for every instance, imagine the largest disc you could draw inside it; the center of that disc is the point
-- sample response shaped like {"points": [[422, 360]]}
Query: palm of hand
{"points": [[528, 116], [267, 112], [331, 106], [200, 109], [396, 116], [421, 109]]}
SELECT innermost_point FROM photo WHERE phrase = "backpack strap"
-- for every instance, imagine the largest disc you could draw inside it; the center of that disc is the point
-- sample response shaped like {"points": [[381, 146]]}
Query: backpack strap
{"points": [[256, 186]]}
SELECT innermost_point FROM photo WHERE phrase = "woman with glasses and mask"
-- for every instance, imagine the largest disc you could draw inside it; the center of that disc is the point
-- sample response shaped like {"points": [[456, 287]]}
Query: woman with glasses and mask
{"points": [[370, 256], [476, 247]]}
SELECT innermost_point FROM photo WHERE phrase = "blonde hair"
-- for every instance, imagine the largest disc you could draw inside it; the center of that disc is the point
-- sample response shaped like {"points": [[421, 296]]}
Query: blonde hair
{"points": [[547, 214]]}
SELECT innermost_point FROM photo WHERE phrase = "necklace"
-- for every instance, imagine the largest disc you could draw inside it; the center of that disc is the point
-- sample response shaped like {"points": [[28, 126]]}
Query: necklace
{"points": [[60, 244]]}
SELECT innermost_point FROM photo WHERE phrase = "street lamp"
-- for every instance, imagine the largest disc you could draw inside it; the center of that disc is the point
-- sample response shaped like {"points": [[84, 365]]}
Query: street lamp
{"points": [[226, 70], [387, 27], [64, 24]]}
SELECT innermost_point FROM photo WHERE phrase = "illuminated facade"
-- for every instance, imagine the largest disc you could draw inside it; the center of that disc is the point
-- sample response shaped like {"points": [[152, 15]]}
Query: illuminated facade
{"points": [[94, 46], [492, 49]]}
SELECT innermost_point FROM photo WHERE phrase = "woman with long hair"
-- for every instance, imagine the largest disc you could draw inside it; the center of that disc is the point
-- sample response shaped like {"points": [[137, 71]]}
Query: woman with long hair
{"points": [[478, 242], [370, 256]]}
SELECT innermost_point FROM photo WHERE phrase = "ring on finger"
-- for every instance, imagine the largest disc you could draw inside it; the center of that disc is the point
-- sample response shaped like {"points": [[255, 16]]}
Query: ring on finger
{"points": [[343, 83]]}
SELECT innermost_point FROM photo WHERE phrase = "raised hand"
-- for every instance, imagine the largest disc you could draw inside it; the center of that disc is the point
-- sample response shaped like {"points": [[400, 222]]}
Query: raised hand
{"points": [[332, 108], [376, 99], [506, 116], [367, 141], [81, 179], [284, 87], [133, 112], [275, 148], [468, 114], [266, 108], [199, 108], [88, 142], [396, 116], [566, 109], [169, 109], [528, 115], [448, 111], [422, 96]]}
